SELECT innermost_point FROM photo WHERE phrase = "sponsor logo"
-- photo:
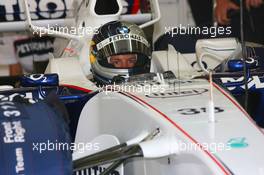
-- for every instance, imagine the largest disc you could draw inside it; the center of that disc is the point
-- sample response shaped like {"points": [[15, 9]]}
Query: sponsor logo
{"points": [[13, 10], [37, 77], [120, 37], [253, 81], [239, 142], [34, 46], [123, 30], [182, 93]]}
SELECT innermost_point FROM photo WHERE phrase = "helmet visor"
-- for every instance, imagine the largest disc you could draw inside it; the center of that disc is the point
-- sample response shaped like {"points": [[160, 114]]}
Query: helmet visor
{"points": [[122, 44]]}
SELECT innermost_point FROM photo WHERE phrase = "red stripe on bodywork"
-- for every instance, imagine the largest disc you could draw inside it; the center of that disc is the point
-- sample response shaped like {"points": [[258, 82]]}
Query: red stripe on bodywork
{"points": [[77, 88], [167, 118], [184, 132], [237, 105]]}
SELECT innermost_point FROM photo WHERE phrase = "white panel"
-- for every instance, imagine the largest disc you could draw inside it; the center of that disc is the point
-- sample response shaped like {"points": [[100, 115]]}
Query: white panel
{"points": [[173, 13]]}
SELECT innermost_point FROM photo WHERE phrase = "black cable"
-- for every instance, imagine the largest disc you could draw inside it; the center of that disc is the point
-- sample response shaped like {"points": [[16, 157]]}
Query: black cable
{"points": [[80, 162], [108, 157], [244, 52], [133, 151]]}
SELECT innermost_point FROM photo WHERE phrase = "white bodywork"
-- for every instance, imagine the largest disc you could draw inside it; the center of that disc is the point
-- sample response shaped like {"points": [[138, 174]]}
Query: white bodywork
{"points": [[215, 51], [125, 115]]}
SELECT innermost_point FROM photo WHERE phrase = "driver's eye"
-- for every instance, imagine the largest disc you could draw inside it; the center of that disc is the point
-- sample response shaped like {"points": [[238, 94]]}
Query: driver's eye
{"points": [[116, 62]]}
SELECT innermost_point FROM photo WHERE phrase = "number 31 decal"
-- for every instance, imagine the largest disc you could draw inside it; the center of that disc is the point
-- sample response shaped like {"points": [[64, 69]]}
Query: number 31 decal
{"points": [[194, 111]]}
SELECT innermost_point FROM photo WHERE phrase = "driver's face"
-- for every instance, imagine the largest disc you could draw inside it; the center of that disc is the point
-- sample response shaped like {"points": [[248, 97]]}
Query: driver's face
{"points": [[123, 61]]}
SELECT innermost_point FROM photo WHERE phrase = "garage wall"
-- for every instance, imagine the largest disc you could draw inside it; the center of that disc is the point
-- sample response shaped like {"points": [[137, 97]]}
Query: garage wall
{"points": [[4, 70], [174, 13]]}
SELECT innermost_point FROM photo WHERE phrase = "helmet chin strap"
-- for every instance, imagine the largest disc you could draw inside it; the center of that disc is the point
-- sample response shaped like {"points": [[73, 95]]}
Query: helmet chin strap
{"points": [[119, 79], [101, 81]]}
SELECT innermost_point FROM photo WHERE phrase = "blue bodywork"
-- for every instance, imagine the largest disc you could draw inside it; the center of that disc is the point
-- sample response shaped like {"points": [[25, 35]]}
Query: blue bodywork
{"points": [[42, 125], [233, 80]]}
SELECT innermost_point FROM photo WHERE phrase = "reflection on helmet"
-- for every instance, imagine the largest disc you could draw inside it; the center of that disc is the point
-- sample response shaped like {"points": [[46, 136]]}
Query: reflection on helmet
{"points": [[120, 49]]}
